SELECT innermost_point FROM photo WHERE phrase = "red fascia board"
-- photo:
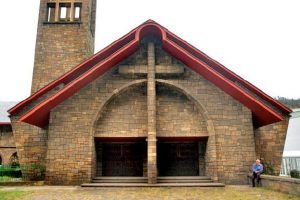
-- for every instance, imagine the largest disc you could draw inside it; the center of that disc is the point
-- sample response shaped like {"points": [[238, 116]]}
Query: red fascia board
{"points": [[76, 71], [226, 72], [230, 88], [121, 139], [39, 115], [5, 123], [182, 139]]}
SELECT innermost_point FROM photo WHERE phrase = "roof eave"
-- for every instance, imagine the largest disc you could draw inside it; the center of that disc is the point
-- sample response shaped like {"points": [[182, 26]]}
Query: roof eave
{"points": [[39, 115]]}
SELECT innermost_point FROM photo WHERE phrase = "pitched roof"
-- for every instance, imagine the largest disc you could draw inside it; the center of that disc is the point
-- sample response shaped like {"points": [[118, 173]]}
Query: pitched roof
{"points": [[98, 64], [4, 115]]}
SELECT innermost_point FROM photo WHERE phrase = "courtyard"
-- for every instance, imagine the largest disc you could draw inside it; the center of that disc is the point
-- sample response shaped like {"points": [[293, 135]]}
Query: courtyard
{"points": [[76, 192]]}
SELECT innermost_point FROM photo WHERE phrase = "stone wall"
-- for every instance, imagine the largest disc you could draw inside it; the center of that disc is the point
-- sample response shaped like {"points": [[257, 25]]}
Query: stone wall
{"points": [[177, 116], [269, 142], [114, 105], [7, 144], [96, 109], [71, 157], [62, 46], [282, 184], [30, 141], [125, 115], [6, 136]]}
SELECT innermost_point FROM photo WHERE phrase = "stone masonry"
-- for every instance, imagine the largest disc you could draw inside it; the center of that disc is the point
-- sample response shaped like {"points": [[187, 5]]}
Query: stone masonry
{"points": [[148, 95], [114, 105], [7, 144], [269, 141], [227, 122], [60, 46], [151, 110]]}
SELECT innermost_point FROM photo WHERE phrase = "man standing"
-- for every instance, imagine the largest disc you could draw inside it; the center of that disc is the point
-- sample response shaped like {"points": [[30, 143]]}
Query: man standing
{"points": [[257, 169]]}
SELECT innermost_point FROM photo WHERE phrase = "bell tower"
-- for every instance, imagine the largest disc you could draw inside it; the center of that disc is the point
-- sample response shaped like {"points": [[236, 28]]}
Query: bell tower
{"points": [[65, 37]]}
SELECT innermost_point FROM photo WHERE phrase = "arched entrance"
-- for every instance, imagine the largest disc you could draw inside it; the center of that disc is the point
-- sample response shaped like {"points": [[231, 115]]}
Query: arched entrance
{"points": [[183, 149], [120, 133], [181, 133]]}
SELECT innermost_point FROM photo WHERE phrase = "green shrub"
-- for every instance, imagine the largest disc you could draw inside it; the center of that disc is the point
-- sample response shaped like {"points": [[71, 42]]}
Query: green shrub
{"points": [[268, 168], [34, 172], [11, 171], [295, 173]]}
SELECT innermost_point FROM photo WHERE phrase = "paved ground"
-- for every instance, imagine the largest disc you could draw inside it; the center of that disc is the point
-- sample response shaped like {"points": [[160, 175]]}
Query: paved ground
{"points": [[74, 193]]}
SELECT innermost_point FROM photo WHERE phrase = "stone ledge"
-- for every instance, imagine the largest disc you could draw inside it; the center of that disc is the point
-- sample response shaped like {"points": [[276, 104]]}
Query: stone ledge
{"points": [[63, 22], [282, 184], [281, 178]]}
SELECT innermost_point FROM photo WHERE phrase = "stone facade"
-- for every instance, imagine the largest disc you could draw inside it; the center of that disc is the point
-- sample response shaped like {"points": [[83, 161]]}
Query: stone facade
{"points": [[149, 96], [95, 110], [115, 105]]}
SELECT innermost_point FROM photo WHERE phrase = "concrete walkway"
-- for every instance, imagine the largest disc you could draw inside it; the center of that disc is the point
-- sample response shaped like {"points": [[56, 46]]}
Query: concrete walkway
{"points": [[77, 192]]}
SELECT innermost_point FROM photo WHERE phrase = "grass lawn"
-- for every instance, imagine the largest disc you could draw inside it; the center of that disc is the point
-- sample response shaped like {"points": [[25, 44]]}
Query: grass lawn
{"points": [[166, 193], [8, 178], [9, 195]]}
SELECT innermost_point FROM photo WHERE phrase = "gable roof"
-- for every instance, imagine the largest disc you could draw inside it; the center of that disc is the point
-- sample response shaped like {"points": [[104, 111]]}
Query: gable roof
{"points": [[99, 63]]}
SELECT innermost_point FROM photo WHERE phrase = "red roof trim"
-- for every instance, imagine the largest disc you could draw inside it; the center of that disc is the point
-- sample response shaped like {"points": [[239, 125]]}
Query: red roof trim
{"points": [[220, 81], [37, 115], [5, 123], [75, 72], [226, 72], [98, 64]]}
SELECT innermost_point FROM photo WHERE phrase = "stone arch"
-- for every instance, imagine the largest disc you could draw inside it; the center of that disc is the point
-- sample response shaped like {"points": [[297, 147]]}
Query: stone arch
{"points": [[14, 159], [184, 91], [96, 123], [113, 95], [211, 151]]}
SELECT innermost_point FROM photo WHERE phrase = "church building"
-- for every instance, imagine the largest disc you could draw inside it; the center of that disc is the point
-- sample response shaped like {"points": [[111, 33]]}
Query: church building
{"points": [[150, 105]]}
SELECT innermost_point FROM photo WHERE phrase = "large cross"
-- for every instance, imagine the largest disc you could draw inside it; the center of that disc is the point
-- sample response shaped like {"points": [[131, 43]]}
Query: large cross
{"points": [[151, 107], [151, 70]]}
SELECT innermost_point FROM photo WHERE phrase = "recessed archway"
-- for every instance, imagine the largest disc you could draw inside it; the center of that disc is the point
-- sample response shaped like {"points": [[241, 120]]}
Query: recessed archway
{"points": [[209, 155]]}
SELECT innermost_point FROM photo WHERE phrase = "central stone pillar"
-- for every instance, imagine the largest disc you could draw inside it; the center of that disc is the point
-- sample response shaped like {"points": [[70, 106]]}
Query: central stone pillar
{"points": [[151, 106]]}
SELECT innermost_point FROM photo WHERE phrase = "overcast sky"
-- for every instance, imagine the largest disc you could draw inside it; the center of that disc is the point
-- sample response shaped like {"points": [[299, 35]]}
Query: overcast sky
{"points": [[257, 39]]}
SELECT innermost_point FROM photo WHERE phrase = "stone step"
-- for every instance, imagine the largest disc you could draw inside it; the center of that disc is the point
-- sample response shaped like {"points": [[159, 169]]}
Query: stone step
{"points": [[165, 179], [183, 178], [120, 180], [153, 185], [184, 181]]}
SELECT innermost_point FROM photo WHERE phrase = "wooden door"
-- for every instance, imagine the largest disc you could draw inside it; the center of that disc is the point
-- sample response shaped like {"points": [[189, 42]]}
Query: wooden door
{"points": [[123, 159], [178, 159]]}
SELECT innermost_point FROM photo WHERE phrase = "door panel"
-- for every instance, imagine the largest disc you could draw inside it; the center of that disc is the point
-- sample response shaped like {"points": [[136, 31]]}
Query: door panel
{"points": [[123, 159], [178, 159]]}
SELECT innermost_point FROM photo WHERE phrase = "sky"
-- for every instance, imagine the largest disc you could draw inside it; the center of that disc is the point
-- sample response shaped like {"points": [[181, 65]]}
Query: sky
{"points": [[257, 39]]}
